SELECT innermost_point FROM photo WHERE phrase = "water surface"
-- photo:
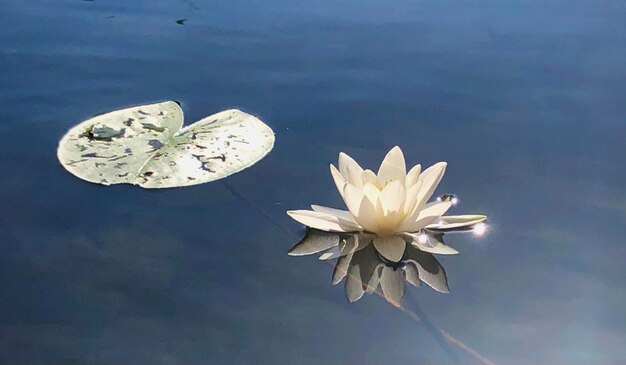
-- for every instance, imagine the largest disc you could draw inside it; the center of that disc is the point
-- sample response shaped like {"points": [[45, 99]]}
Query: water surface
{"points": [[524, 99]]}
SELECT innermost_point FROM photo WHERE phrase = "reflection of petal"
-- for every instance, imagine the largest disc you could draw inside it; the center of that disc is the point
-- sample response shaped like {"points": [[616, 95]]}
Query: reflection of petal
{"points": [[333, 253], [375, 280], [391, 247], [341, 268], [369, 262], [392, 283], [347, 246], [440, 249], [432, 243], [361, 273], [430, 270], [363, 239], [354, 288], [412, 275], [365, 268], [313, 242]]}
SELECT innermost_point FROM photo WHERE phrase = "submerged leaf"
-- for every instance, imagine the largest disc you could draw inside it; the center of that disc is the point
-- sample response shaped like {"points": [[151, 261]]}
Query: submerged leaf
{"points": [[146, 146]]}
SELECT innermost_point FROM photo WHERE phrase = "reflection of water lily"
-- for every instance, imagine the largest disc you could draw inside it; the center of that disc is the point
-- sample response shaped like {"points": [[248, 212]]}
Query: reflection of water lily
{"points": [[365, 270], [389, 209]]}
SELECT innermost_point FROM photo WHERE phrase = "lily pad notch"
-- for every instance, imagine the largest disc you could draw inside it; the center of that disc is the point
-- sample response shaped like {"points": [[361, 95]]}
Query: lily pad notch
{"points": [[147, 146]]}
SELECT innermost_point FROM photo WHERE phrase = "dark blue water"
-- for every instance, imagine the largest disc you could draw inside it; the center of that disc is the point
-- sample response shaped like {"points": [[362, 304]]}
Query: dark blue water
{"points": [[525, 100]]}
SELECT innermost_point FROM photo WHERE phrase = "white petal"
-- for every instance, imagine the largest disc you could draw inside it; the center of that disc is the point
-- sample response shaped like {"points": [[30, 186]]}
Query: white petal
{"points": [[457, 221], [392, 167], [341, 214], [391, 247], [429, 180], [350, 170], [352, 196], [322, 221], [367, 216], [371, 192], [361, 208], [427, 183], [434, 210], [340, 181], [451, 219], [411, 198], [380, 216], [368, 176], [413, 175], [392, 197], [431, 213]]}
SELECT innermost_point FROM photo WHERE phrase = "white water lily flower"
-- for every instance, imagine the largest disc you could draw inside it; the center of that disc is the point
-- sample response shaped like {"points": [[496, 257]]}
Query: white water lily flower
{"points": [[392, 205]]}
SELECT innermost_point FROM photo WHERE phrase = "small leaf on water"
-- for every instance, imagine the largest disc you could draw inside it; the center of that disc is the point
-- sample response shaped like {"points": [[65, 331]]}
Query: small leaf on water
{"points": [[146, 146]]}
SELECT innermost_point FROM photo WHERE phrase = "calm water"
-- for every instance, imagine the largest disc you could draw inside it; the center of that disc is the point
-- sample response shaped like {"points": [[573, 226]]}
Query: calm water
{"points": [[525, 100]]}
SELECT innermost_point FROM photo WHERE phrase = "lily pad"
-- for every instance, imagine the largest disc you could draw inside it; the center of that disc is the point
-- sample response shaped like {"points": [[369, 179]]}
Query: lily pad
{"points": [[146, 146]]}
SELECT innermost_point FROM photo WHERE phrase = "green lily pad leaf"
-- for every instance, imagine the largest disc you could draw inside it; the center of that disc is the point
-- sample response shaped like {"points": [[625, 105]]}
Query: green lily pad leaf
{"points": [[146, 146]]}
